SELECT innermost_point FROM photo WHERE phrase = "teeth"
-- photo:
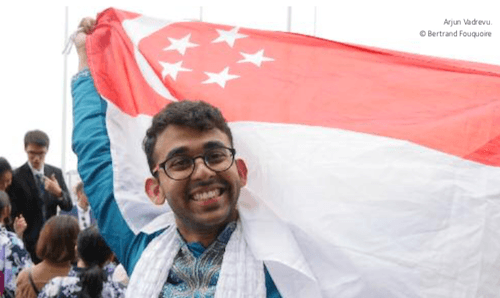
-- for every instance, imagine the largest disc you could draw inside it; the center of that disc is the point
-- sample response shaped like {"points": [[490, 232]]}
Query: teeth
{"points": [[204, 196]]}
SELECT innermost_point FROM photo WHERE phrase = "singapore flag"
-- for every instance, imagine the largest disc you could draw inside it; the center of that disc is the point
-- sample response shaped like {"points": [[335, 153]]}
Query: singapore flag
{"points": [[372, 173]]}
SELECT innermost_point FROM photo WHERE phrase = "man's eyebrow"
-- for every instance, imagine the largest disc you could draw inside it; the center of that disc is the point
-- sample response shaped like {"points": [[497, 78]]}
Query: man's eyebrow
{"points": [[177, 151], [213, 144], [37, 152], [184, 150]]}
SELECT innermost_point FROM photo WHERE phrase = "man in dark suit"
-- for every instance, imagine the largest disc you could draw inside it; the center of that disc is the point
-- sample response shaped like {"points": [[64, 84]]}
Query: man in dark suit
{"points": [[82, 211], [37, 189]]}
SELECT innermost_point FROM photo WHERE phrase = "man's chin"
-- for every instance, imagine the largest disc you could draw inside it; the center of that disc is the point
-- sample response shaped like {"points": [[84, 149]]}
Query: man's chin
{"points": [[215, 221]]}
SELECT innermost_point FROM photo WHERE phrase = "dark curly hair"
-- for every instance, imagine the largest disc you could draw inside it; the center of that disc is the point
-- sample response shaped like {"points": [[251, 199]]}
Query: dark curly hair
{"points": [[36, 137], [193, 114]]}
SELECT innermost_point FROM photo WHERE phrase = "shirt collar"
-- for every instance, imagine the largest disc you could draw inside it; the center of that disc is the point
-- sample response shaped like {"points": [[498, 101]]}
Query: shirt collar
{"points": [[35, 171], [218, 246], [80, 209]]}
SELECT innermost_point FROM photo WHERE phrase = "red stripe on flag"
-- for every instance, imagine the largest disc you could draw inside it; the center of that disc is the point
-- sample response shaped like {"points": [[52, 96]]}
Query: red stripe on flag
{"points": [[114, 68], [448, 105]]}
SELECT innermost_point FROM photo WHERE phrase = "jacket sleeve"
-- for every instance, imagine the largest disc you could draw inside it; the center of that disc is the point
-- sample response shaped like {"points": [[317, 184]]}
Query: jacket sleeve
{"points": [[65, 202], [92, 146]]}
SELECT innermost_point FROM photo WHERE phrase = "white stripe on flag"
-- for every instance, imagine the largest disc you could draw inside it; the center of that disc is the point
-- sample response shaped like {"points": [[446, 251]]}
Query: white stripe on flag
{"points": [[420, 222], [385, 216]]}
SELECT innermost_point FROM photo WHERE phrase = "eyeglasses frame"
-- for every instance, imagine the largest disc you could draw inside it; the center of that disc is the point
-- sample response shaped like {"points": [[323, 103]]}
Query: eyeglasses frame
{"points": [[202, 156]]}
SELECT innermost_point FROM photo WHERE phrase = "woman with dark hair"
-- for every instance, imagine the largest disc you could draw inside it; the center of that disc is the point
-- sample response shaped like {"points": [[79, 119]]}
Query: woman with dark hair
{"points": [[5, 181], [56, 249], [5, 174], [92, 281], [13, 255]]}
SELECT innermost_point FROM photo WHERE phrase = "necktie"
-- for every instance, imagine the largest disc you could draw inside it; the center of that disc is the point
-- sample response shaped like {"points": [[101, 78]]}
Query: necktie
{"points": [[41, 185]]}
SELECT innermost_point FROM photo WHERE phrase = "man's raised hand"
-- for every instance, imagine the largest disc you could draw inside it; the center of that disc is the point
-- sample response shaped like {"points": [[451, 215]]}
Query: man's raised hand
{"points": [[86, 26]]}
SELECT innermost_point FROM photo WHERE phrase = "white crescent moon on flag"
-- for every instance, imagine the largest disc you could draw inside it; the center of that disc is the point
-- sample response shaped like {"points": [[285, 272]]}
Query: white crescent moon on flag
{"points": [[137, 29]]}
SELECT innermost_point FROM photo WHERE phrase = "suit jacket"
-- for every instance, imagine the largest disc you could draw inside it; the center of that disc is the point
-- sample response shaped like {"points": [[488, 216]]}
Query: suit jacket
{"points": [[26, 200], [74, 212]]}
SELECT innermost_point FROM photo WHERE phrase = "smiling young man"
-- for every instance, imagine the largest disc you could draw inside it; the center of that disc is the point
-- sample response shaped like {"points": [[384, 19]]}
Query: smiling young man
{"points": [[189, 149]]}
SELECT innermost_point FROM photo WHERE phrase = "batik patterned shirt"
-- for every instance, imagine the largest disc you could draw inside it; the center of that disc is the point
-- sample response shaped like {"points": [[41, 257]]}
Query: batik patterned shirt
{"points": [[70, 287], [109, 269], [195, 270], [13, 258]]}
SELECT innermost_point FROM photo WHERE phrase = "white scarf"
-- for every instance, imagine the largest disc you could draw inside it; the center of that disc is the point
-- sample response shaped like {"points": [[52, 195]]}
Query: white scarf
{"points": [[241, 275]]}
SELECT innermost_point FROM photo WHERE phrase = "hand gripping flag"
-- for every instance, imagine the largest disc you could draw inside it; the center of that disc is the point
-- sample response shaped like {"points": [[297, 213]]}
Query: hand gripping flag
{"points": [[372, 173]]}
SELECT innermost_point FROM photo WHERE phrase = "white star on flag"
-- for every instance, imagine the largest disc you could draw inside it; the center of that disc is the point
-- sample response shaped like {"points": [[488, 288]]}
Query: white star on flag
{"points": [[219, 78], [180, 45], [172, 69], [256, 58], [229, 36]]}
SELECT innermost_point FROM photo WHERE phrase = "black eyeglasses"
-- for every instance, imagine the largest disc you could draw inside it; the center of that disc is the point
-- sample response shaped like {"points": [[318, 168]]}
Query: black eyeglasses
{"points": [[182, 167]]}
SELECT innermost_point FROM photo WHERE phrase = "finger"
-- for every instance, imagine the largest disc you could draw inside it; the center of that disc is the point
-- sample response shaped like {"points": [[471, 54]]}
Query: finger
{"points": [[83, 22], [87, 24]]}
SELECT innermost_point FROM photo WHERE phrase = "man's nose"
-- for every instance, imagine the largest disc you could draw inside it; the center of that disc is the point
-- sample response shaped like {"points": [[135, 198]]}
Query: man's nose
{"points": [[201, 171]]}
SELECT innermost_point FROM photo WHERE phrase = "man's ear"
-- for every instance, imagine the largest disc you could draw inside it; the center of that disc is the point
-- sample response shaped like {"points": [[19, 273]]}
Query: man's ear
{"points": [[242, 171], [154, 191]]}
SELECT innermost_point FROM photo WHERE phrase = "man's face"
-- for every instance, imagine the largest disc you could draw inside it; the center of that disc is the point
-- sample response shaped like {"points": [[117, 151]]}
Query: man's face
{"points": [[36, 155], [5, 180], [198, 214], [82, 201]]}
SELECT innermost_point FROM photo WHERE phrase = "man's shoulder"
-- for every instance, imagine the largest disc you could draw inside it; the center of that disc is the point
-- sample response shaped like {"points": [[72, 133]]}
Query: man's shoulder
{"points": [[21, 171], [20, 178], [52, 168], [72, 212]]}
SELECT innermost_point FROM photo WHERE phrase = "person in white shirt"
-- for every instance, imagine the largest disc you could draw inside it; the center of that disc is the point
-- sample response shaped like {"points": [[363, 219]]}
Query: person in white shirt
{"points": [[81, 210]]}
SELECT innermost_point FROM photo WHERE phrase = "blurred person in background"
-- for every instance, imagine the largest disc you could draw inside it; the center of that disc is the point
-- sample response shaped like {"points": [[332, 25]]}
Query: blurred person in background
{"points": [[37, 189], [5, 182], [91, 280], [13, 256], [56, 249], [5, 174], [81, 211]]}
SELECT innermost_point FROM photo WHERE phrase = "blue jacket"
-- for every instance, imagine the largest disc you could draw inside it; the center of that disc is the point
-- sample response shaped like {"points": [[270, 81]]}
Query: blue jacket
{"points": [[74, 212]]}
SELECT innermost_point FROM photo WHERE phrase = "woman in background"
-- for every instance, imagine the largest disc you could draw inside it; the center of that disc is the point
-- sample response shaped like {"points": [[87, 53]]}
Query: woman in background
{"points": [[92, 281], [56, 248], [5, 182], [5, 174], [13, 255]]}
